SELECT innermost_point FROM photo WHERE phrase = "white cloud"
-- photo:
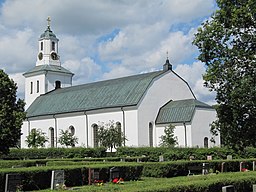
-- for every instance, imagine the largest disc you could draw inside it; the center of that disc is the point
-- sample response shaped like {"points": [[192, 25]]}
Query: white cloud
{"points": [[20, 81], [141, 44], [85, 70]]}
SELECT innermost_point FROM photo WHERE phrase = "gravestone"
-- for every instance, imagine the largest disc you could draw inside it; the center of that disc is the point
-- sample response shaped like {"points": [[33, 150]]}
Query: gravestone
{"points": [[161, 158], [229, 188], [254, 188], [114, 173], [12, 182], [57, 179], [205, 168], [209, 157], [229, 157]]}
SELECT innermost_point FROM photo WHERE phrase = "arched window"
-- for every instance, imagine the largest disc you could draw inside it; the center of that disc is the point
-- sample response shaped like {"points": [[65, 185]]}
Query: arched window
{"points": [[42, 46], [31, 87], [37, 86], [95, 135], [206, 142], [51, 136], [118, 125], [150, 129], [72, 130], [57, 84], [53, 46]]}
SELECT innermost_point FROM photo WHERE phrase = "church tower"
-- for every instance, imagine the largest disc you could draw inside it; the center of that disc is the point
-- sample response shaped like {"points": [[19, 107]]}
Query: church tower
{"points": [[48, 74]]}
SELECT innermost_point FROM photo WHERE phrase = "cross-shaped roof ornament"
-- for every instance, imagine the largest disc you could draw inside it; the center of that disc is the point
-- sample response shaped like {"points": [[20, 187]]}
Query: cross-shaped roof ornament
{"points": [[49, 21], [167, 54]]}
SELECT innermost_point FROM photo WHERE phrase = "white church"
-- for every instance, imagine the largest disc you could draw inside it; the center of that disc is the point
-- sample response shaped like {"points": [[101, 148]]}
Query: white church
{"points": [[142, 105]]}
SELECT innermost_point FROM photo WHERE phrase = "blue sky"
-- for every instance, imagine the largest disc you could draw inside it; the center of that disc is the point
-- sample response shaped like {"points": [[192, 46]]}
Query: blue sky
{"points": [[105, 39]]}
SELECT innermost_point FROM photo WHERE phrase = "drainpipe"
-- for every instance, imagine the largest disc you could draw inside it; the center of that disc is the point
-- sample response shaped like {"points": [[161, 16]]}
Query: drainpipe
{"points": [[122, 109], [86, 124], [55, 126], [185, 128]]}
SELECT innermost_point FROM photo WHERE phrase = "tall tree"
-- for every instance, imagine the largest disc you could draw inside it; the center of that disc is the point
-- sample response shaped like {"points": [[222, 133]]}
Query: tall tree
{"points": [[36, 138], [110, 135], [11, 114], [168, 139], [227, 44]]}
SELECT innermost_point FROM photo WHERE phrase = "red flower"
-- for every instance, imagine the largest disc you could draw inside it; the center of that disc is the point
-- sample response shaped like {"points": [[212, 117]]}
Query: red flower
{"points": [[115, 180]]}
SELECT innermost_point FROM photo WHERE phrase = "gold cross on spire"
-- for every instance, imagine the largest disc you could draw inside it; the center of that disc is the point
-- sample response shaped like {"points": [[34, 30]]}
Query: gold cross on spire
{"points": [[49, 21]]}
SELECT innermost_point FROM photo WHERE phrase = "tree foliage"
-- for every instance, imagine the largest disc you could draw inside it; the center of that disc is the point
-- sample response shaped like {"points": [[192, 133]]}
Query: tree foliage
{"points": [[36, 138], [227, 44], [11, 113], [168, 139], [109, 135], [67, 138]]}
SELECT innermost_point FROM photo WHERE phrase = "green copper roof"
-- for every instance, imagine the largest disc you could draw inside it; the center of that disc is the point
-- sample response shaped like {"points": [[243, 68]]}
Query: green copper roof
{"points": [[53, 68], [126, 91], [179, 111], [48, 34]]}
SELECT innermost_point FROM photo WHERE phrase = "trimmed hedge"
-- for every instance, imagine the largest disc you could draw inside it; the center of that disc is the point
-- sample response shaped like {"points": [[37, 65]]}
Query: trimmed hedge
{"points": [[40, 177], [172, 154], [43, 153], [181, 168]]}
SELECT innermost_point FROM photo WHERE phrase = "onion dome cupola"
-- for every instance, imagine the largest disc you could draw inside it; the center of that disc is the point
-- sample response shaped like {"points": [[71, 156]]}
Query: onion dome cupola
{"points": [[48, 48]]}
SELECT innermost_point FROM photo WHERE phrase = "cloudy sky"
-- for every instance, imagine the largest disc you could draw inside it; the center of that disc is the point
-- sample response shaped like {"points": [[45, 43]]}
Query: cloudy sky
{"points": [[103, 39]]}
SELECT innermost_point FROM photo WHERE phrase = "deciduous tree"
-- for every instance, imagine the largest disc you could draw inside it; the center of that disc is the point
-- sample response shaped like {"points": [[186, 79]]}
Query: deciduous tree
{"points": [[227, 44], [168, 139], [11, 114], [67, 138], [110, 135], [36, 138]]}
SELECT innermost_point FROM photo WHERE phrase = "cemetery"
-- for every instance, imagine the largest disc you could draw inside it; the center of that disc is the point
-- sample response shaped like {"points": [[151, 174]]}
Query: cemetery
{"points": [[147, 169]]}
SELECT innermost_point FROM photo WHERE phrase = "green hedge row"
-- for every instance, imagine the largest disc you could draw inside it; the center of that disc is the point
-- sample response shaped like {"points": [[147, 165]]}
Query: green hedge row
{"points": [[181, 168], [43, 153], [172, 154], [36, 178]]}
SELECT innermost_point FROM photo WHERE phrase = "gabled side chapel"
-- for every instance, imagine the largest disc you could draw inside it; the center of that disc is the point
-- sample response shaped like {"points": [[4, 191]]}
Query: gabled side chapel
{"points": [[142, 105]]}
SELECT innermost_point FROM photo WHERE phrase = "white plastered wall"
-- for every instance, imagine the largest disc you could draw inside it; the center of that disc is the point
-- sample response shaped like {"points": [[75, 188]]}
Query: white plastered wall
{"points": [[168, 87], [201, 127], [183, 139], [127, 118], [51, 78]]}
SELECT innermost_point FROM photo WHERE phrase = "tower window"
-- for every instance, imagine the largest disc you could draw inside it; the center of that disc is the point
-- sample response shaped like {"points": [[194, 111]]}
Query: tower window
{"points": [[31, 87], [53, 46], [37, 86], [42, 46]]}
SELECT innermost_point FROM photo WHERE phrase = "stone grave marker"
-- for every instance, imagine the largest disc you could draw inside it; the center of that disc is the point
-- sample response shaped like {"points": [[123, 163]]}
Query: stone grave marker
{"points": [[114, 173], [229, 188], [229, 157], [57, 179], [161, 158], [12, 182], [209, 157]]}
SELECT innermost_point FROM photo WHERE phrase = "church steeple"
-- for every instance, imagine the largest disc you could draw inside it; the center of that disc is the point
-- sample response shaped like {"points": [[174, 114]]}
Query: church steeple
{"points": [[167, 66], [48, 47]]}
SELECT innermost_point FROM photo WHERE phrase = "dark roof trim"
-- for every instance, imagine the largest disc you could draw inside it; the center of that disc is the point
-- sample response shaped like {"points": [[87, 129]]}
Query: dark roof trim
{"points": [[185, 82]]}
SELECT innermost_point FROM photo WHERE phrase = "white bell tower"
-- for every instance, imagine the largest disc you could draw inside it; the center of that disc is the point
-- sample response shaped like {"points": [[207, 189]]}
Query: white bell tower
{"points": [[48, 48], [48, 74]]}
